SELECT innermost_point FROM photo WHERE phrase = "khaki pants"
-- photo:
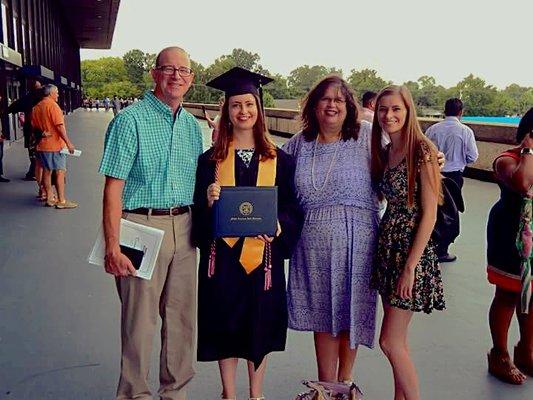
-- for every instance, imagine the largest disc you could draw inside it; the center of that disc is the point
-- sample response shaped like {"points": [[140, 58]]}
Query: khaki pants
{"points": [[171, 293]]}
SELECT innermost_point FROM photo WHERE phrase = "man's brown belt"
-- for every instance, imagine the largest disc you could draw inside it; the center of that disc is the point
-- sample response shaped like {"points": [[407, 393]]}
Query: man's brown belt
{"points": [[160, 211]]}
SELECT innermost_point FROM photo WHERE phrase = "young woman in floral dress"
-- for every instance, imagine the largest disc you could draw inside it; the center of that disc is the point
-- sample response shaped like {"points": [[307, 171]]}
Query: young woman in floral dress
{"points": [[406, 272]]}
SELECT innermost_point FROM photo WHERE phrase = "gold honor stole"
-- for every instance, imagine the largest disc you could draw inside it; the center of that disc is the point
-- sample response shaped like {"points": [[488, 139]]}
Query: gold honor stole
{"points": [[252, 248]]}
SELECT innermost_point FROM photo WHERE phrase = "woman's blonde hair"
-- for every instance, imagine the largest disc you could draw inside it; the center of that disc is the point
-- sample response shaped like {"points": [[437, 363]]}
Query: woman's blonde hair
{"points": [[415, 143]]}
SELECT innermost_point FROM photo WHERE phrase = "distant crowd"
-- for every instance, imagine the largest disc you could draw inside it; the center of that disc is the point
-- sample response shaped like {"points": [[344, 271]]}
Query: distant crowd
{"points": [[116, 103]]}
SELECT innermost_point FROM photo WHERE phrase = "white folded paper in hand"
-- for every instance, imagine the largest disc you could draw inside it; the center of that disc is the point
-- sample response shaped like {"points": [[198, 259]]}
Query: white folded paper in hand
{"points": [[137, 236], [76, 153]]}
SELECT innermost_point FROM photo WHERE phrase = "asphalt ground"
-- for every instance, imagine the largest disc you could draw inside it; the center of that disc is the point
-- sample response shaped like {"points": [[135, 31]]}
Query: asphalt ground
{"points": [[59, 316]]}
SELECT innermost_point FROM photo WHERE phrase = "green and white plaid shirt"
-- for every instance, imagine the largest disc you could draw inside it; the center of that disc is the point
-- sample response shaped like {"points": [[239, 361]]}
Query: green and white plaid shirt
{"points": [[155, 154]]}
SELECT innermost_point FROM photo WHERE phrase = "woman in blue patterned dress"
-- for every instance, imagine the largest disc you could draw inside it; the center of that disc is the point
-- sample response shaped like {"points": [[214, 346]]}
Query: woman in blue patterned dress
{"points": [[329, 274], [406, 272]]}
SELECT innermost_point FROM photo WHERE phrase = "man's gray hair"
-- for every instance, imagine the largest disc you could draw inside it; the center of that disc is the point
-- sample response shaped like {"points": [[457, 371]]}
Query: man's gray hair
{"points": [[47, 89]]}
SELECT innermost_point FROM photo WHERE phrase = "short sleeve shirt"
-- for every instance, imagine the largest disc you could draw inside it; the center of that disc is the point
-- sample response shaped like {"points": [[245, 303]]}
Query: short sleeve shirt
{"points": [[155, 153], [47, 116]]}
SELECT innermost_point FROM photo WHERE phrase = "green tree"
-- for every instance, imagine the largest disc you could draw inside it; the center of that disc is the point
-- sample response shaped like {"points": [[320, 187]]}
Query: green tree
{"points": [[130, 75], [303, 78], [268, 100], [237, 58], [122, 89], [517, 93], [279, 89], [476, 95], [246, 59], [97, 73], [429, 94], [199, 92], [135, 64], [149, 61], [366, 80], [526, 101], [219, 66], [502, 104]]}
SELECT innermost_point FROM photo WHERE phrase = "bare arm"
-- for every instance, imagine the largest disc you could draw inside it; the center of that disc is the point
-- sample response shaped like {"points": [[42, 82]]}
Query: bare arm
{"points": [[517, 175], [429, 203], [116, 263], [211, 122], [63, 134]]}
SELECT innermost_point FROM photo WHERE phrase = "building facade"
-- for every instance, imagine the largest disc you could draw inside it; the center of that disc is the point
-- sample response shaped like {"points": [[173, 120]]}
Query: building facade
{"points": [[41, 40]]}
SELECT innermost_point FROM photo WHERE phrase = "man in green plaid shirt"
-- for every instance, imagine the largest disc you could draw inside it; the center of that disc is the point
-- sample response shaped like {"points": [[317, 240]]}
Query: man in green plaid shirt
{"points": [[150, 157]]}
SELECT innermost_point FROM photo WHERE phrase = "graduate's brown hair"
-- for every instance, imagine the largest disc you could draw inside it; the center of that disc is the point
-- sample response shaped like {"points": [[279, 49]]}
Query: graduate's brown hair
{"points": [[264, 145]]}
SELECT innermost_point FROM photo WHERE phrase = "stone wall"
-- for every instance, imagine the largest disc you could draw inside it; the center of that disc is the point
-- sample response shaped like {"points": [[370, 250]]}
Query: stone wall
{"points": [[491, 139]]}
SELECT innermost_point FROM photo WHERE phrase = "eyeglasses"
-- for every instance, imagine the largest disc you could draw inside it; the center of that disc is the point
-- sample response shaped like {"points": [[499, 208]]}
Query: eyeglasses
{"points": [[336, 100], [170, 70]]}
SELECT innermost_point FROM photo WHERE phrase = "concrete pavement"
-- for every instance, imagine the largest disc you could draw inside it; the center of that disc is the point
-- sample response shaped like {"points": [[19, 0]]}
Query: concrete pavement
{"points": [[59, 316]]}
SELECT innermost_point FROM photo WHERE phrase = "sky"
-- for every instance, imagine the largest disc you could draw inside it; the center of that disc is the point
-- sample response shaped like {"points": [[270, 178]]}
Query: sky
{"points": [[401, 39]]}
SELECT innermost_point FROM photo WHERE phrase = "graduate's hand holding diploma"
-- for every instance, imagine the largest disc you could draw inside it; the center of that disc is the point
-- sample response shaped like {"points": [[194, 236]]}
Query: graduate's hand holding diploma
{"points": [[269, 239], [213, 193], [265, 238]]}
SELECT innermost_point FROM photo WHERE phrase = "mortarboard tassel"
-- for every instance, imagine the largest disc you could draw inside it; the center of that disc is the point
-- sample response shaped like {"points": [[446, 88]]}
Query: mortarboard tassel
{"points": [[268, 267], [212, 256]]}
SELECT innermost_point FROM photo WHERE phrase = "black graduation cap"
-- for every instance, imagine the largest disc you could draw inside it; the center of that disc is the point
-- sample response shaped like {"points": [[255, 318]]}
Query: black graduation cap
{"points": [[238, 81]]}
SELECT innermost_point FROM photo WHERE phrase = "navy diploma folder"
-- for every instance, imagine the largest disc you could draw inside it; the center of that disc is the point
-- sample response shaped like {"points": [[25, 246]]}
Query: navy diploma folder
{"points": [[246, 211]]}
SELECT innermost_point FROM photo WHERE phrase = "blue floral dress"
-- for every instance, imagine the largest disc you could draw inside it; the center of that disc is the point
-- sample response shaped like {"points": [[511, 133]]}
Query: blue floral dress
{"points": [[329, 273]]}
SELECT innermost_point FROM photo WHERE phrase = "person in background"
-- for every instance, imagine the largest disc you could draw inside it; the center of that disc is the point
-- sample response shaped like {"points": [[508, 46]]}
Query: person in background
{"points": [[514, 173], [116, 104], [406, 272], [48, 117], [214, 122], [25, 105], [458, 143], [369, 104], [107, 102], [3, 138]]}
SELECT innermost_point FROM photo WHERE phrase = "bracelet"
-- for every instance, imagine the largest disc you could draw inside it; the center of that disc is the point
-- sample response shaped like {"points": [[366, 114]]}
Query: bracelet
{"points": [[526, 150]]}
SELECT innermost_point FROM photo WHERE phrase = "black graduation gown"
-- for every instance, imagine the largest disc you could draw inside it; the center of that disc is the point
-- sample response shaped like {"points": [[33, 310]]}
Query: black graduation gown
{"points": [[236, 316]]}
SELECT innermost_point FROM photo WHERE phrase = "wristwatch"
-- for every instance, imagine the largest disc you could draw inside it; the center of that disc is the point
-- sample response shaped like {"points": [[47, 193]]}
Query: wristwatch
{"points": [[526, 150]]}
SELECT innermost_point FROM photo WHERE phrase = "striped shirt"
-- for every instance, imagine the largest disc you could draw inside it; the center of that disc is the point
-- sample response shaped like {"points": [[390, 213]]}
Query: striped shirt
{"points": [[154, 153]]}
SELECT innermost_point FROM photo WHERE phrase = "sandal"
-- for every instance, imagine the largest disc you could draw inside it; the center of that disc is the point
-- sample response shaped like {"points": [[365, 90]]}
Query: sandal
{"points": [[50, 202], [501, 367], [526, 366]]}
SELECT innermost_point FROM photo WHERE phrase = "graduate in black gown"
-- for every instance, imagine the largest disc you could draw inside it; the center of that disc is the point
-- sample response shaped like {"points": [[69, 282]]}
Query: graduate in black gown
{"points": [[242, 309]]}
